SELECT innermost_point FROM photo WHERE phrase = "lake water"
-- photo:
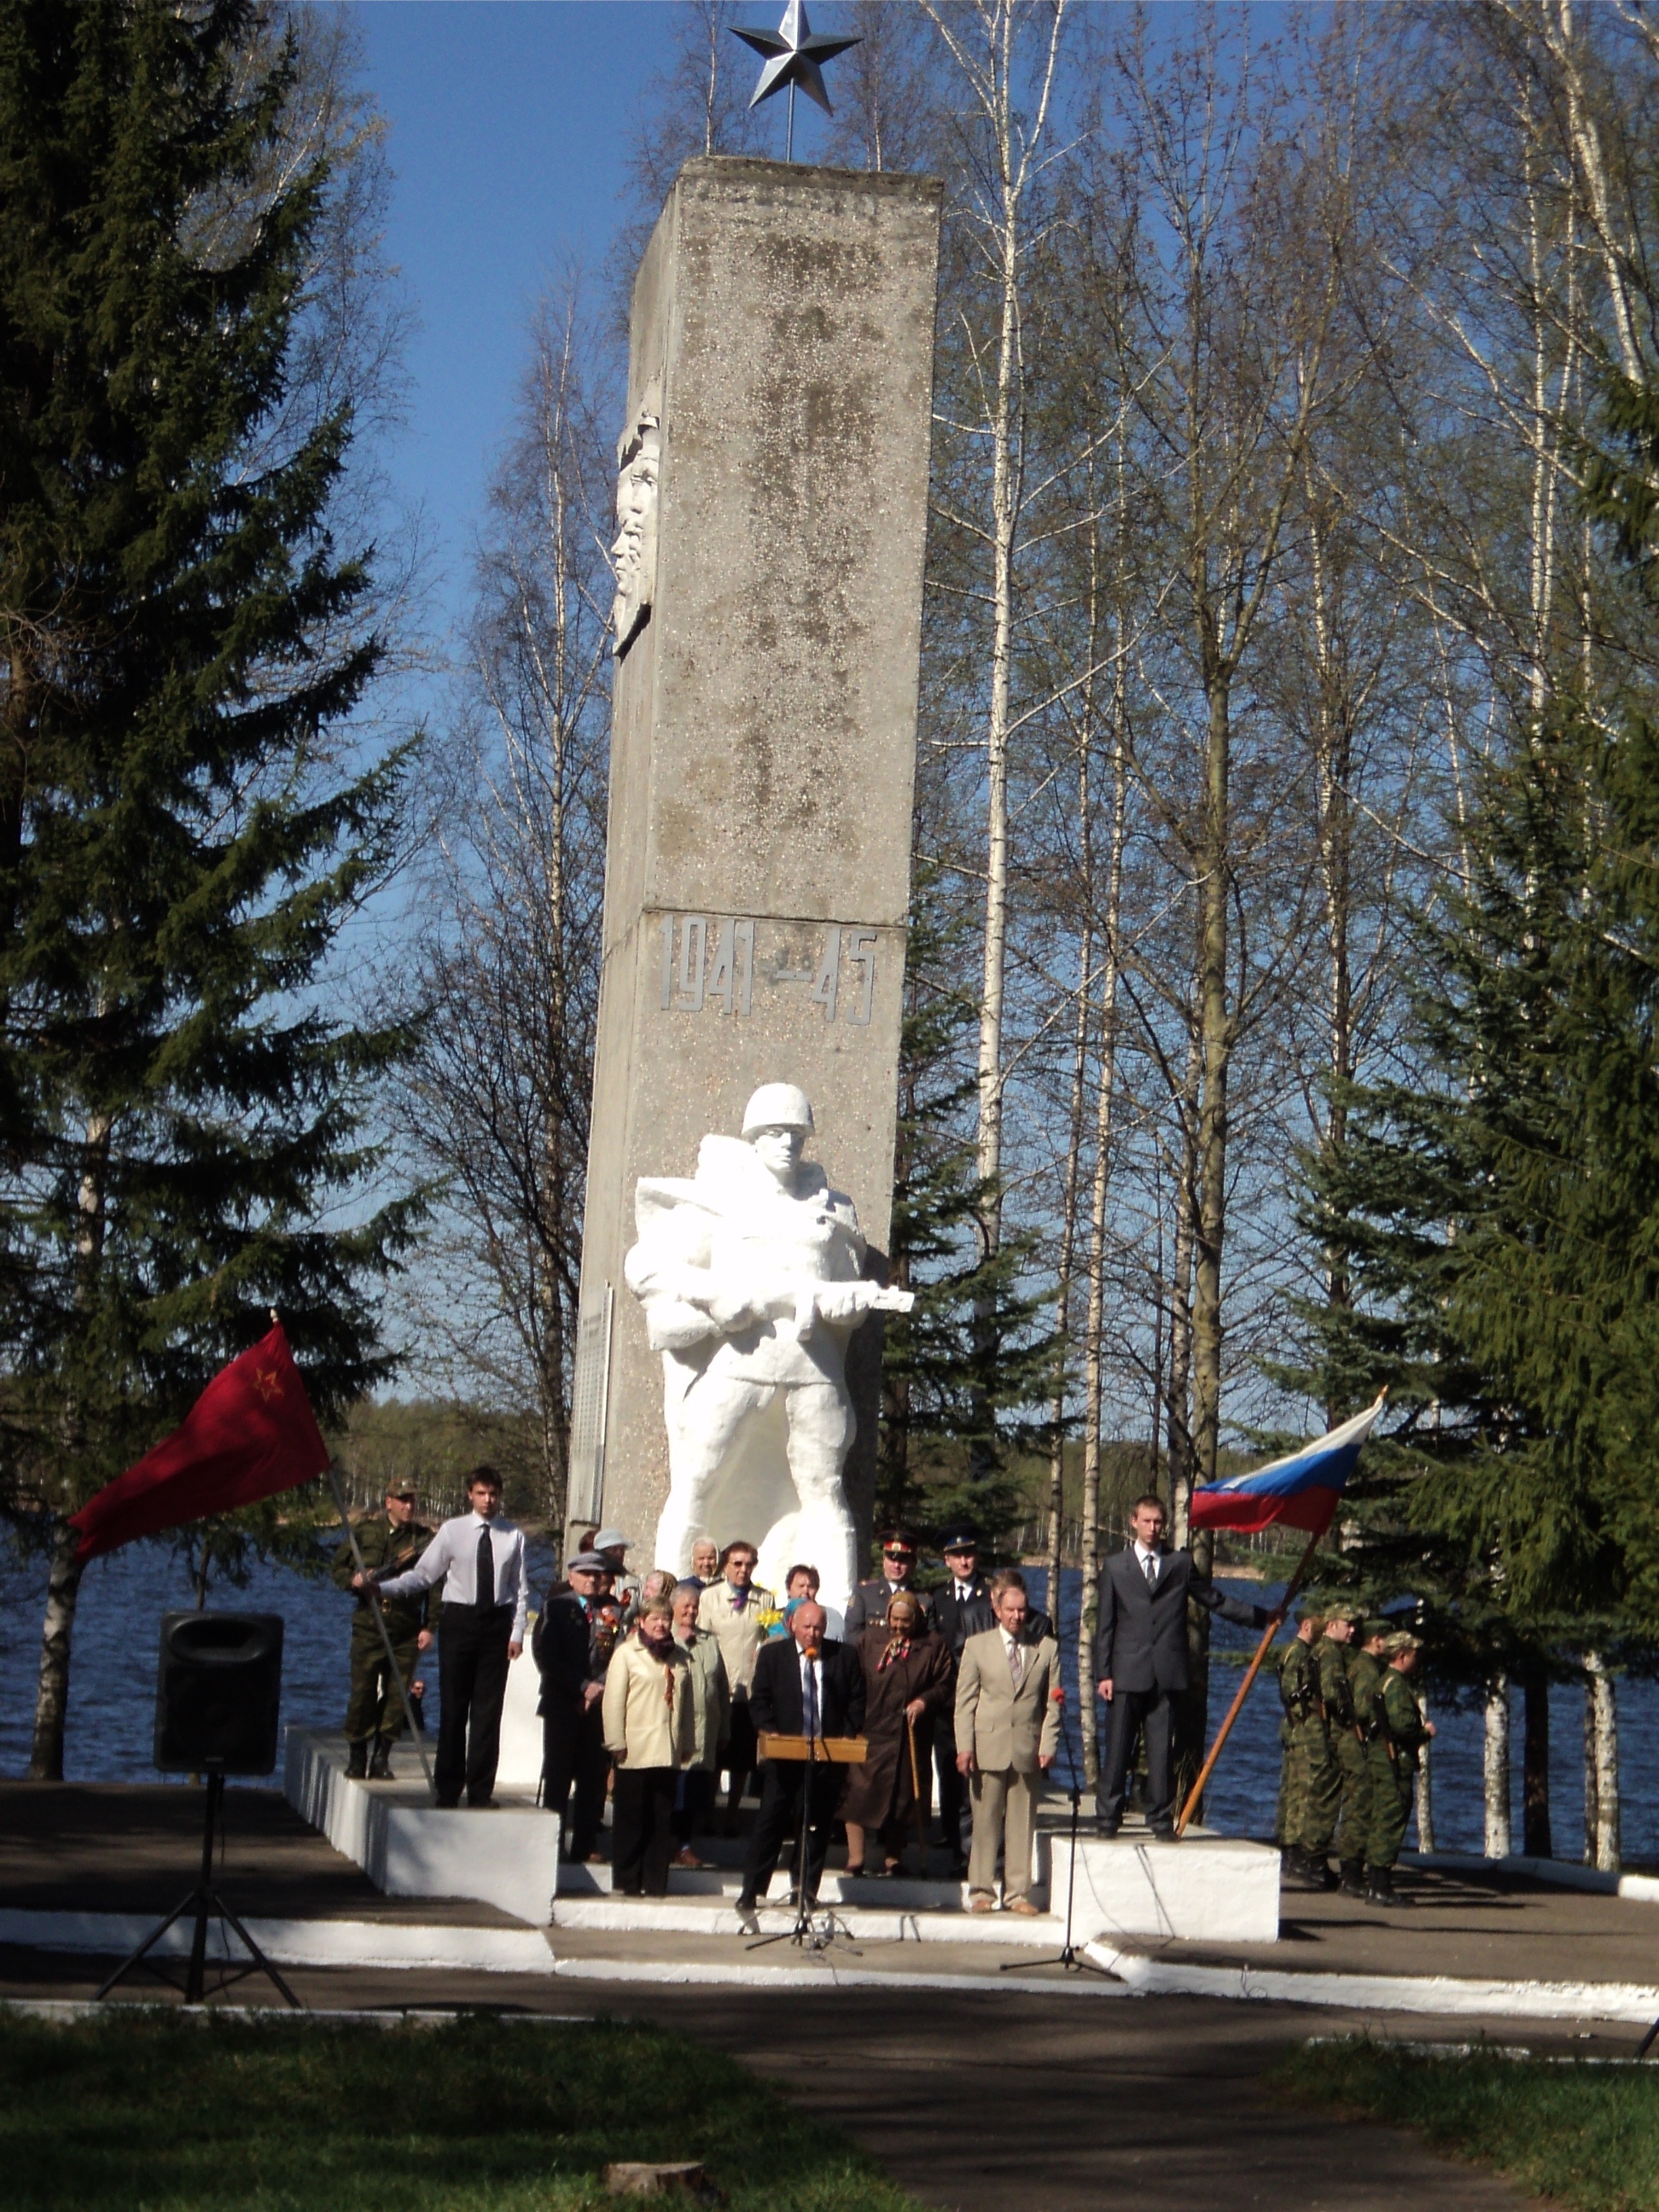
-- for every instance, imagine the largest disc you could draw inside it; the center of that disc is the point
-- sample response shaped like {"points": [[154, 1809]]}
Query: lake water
{"points": [[113, 1697]]}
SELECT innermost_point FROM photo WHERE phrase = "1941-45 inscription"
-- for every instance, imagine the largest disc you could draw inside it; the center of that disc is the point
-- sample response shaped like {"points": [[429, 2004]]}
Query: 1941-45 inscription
{"points": [[718, 961]]}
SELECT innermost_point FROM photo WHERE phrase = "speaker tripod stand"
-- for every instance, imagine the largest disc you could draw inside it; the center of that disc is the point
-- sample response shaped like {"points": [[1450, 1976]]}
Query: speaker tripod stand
{"points": [[816, 1927], [206, 1904]]}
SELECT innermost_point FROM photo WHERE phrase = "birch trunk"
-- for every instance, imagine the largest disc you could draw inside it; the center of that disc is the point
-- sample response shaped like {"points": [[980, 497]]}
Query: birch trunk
{"points": [[1424, 1788], [1610, 1851], [64, 1577], [1495, 1769], [1094, 1361]]}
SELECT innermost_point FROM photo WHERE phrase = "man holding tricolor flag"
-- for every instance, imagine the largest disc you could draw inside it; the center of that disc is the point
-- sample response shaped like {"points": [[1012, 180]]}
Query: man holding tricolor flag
{"points": [[1303, 1492]]}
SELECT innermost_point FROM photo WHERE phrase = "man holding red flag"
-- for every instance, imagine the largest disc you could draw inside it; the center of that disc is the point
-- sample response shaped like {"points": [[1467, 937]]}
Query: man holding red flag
{"points": [[479, 1557]]}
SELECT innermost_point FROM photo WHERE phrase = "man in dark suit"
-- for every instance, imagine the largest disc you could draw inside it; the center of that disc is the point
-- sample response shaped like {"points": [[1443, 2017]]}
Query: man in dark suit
{"points": [[803, 1685], [961, 1608], [870, 1600], [1140, 1658]]}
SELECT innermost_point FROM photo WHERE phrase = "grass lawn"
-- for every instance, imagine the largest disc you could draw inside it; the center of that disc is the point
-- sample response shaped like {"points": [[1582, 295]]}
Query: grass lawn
{"points": [[152, 2114], [1587, 2135]]}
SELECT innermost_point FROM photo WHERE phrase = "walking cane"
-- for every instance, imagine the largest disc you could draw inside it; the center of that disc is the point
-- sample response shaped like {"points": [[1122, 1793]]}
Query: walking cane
{"points": [[915, 1802]]}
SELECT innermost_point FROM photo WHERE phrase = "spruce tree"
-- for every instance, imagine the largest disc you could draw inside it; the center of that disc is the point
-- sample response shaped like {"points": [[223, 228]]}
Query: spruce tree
{"points": [[183, 830]]}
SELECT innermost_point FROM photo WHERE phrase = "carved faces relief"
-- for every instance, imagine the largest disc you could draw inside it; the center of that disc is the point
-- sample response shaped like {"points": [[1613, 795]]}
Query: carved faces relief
{"points": [[633, 554]]}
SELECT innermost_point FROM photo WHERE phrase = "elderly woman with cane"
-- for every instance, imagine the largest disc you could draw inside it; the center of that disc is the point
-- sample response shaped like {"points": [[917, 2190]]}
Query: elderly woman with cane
{"points": [[650, 1731], [907, 1673]]}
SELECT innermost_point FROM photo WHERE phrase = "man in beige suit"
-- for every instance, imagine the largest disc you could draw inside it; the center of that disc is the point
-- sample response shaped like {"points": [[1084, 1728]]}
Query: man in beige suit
{"points": [[1008, 1734]]}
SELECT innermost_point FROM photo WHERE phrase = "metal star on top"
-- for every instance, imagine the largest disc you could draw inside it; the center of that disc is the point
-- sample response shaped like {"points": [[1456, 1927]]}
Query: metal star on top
{"points": [[793, 57]]}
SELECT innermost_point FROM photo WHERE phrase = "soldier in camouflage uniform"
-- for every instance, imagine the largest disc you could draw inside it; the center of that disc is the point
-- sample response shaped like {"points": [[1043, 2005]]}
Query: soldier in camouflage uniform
{"points": [[1401, 1733], [1305, 1784], [1363, 1659], [391, 1542], [1333, 1656]]}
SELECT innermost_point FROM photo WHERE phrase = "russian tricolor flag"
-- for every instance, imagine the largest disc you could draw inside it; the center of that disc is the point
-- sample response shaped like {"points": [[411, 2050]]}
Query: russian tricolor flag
{"points": [[1302, 1491]]}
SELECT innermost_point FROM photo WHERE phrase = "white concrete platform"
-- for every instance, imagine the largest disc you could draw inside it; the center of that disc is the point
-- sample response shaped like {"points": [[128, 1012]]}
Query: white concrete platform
{"points": [[1210, 1889], [509, 1857]]}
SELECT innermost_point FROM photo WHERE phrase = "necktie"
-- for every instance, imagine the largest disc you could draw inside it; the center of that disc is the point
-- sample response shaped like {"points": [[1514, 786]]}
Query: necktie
{"points": [[1150, 1565], [484, 1573], [1016, 1664], [809, 1696]]}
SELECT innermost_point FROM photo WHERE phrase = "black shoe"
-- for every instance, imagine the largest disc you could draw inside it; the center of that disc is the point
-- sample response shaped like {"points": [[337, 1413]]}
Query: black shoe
{"points": [[1353, 1882], [449, 1804], [380, 1767], [1382, 1887], [1106, 1831], [1317, 1868], [357, 1761], [481, 1805], [1295, 1873]]}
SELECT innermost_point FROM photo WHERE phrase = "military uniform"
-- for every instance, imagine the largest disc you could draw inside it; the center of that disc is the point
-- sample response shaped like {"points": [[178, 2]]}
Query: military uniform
{"points": [[1364, 1677], [1305, 1781], [1399, 1736], [374, 1711]]}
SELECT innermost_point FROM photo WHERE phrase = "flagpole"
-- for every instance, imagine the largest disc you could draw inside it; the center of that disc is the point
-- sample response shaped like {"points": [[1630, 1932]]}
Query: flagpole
{"points": [[1250, 1674], [379, 1622]]}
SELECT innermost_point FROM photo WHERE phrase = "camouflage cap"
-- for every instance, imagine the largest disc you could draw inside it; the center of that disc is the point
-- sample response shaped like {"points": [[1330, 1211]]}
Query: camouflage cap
{"points": [[1311, 1609], [1370, 1629], [1402, 1640], [1342, 1608]]}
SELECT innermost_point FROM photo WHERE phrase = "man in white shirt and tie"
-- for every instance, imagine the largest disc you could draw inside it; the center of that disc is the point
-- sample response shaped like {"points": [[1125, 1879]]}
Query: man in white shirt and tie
{"points": [[1140, 1659], [480, 1558], [1007, 1733]]}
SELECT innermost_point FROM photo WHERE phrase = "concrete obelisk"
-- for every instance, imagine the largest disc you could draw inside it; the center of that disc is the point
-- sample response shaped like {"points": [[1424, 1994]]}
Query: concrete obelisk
{"points": [[771, 509]]}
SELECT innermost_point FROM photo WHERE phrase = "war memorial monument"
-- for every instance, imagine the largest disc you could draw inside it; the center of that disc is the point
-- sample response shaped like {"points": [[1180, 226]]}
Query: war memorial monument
{"points": [[772, 511]]}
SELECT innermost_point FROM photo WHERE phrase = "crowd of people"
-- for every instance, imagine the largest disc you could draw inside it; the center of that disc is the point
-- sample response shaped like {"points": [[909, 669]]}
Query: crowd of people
{"points": [[651, 1688]]}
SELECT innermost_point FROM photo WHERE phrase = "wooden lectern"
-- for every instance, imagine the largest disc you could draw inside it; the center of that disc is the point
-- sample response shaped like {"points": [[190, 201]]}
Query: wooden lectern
{"points": [[831, 1750]]}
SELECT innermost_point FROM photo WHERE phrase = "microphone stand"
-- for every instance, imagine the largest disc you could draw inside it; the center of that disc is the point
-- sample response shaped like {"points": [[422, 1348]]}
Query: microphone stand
{"points": [[1068, 1955]]}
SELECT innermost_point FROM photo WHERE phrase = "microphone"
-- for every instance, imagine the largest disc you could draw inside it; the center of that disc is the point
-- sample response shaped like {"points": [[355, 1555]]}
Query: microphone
{"points": [[811, 1652]]}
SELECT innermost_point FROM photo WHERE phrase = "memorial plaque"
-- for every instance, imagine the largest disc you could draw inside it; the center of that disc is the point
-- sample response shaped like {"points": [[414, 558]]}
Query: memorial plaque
{"points": [[772, 511]]}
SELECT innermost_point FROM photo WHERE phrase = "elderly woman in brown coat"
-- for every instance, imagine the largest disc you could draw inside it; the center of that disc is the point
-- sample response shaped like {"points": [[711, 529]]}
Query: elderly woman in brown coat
{"points": [[906, 1673]]}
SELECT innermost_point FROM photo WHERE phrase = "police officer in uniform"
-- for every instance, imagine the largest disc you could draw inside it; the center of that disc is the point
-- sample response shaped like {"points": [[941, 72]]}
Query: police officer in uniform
{"points": [[391, 1542], [1305, 1782], [1401, 1736], [961, 1608]]}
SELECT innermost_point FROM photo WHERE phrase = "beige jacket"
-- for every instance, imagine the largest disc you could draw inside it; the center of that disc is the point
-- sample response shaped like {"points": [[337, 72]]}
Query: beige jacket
{"points": [[642, 1727], [711, 1699], [740, 1634], [1004, 1727]]}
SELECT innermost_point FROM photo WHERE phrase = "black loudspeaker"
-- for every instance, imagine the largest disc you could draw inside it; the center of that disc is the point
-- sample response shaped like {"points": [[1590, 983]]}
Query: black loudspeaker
{"points": [[217, 1693]]}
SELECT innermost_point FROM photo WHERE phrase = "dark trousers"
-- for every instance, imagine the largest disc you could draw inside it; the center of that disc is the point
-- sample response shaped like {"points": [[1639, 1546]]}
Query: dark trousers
{"points": [[471, 1684], [374, 1707], [573, 1750], [783, 1787], [741, 1756], [694, 1802], [642, 1830], [1131, 1710], [952, 1791]]}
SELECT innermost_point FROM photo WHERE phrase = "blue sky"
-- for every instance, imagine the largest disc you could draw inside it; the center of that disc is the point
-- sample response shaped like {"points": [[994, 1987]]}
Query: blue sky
{"points": [[510, 126]]}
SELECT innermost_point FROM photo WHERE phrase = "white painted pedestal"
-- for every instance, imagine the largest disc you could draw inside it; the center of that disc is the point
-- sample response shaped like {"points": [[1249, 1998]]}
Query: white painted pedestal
{"points": [[507, 1857], [1204, 1889]]}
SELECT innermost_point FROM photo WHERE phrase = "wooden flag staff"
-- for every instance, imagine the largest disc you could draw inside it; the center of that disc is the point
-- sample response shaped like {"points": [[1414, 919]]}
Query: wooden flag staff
{"points": [[1250, 1674]]}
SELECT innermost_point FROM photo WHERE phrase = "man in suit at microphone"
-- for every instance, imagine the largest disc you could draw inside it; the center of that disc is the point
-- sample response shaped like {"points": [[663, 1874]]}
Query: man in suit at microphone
{"points": [[1140, 1659], [803, 1685]]}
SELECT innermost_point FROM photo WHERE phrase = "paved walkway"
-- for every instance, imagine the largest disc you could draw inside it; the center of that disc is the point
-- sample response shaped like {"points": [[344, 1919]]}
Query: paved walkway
{"points": [[1030, 2086]]}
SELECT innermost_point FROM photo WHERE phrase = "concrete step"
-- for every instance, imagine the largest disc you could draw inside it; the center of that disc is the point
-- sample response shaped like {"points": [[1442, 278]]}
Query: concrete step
{"points": [[716, 1916], [895, 1893]]}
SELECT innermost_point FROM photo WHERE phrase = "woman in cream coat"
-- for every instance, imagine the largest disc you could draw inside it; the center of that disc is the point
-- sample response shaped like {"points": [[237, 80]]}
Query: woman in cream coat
{"points": [[650, 1731]]}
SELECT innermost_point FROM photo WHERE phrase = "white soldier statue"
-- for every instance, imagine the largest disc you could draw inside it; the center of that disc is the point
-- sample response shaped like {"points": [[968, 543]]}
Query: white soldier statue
{"points": [[752, 1275]]}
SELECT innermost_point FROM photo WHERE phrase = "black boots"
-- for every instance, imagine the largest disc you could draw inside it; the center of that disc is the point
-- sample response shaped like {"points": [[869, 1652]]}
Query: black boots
{"points": [[1354, 1878], [1382, 1886], [380, 1767], [357, 1760]]}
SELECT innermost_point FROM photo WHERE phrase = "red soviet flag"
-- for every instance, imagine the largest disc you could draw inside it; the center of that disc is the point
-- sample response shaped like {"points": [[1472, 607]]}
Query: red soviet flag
{"points": [[251, 1433]]}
